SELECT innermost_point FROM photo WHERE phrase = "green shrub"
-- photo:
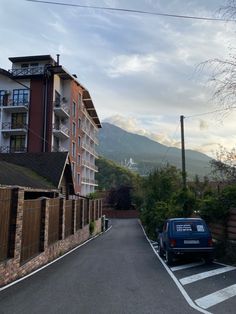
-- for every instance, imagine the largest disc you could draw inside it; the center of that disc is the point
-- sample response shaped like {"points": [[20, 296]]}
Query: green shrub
{"points": [[91, 227]]}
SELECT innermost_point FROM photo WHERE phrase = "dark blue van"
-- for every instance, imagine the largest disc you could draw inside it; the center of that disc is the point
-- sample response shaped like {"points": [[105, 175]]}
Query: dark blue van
{"points": [[185, 236]]}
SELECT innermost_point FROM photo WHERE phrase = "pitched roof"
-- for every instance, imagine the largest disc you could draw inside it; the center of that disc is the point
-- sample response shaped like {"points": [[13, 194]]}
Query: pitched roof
{"points": [[49, 166], [11, 174]]}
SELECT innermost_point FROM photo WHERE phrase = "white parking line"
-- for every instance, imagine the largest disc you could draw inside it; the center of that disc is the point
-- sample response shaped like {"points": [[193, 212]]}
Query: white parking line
{"points": [[216, 297], [181, 289], [200, 276], [186, 266]]}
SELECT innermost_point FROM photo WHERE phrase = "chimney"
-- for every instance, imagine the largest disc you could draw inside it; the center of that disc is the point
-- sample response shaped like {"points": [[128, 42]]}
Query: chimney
{"points": [[58, 59]]}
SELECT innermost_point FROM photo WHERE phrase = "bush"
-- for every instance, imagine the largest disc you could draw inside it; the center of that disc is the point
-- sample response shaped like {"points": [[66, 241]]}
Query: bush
{"points": [[91, 227]]}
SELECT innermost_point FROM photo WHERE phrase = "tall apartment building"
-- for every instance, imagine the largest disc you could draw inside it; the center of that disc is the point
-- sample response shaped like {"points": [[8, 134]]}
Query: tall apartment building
{"points": [[44, 108]]}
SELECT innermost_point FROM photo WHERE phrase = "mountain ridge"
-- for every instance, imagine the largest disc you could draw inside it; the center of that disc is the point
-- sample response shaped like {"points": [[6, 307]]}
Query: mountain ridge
{"points": [[117, 144]]}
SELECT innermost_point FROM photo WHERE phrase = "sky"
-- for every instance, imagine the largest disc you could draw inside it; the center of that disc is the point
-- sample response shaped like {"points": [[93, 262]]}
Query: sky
{"points": [[142, 71]]}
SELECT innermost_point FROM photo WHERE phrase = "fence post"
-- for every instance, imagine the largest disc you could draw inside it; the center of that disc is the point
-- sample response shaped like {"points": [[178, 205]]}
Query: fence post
{"points": [[18, 203], [74, 216], [82, 212], [45, 224], [62, 219]]}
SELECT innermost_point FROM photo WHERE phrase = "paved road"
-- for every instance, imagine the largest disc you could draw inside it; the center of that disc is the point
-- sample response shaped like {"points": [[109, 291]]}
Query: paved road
{"points": [[117, 273]]}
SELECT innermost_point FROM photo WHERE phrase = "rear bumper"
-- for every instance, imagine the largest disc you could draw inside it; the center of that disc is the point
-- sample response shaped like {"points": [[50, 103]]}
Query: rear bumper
{"points": [[200, 250]]}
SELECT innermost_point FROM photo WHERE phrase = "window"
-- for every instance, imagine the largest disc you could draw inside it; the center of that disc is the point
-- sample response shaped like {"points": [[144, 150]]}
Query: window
{"points": [[73, 129], [79, 123], [73, 149], [74, 109], [79, 141], [18, 120], [78, 178], [20, 96], [73, 168], [24, 65], [80, 101], [17, 143], [3, 98], [79, 160]]}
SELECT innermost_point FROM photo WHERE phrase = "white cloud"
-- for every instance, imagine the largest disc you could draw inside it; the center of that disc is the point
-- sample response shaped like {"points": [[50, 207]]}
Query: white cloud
{"points": [[131, 64]]}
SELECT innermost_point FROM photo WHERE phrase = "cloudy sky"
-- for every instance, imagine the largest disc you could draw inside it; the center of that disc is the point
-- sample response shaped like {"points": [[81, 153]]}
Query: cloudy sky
{"points": [[141, 70]]}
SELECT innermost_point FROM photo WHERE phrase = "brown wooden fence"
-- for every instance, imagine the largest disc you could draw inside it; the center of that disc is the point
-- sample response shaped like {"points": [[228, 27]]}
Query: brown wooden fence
{"points": [[5, 211], [32, 228], [69, 218], [42, 222], [86, 212], [226, 230], [54, 221], [79, 214], [231, 226]]}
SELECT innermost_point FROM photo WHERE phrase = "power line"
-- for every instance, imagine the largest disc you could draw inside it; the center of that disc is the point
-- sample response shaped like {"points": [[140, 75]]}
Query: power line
{"points": [[210, 112], [132, 11]]}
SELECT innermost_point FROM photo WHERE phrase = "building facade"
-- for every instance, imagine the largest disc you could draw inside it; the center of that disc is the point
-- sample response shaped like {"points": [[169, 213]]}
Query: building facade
{"points": [[44, 108]]}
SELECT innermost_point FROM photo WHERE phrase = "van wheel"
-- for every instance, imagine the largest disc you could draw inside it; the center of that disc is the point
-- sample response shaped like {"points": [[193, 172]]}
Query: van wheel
{"points": [[169, 258], [208, 259], [160, 251]]}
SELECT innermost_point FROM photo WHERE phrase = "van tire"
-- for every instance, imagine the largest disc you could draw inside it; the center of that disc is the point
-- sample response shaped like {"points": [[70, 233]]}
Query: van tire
{"points": [[169, 258]]}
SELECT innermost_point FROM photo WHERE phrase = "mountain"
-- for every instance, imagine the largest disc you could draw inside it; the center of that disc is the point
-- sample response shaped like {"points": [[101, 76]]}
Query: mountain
{"points": [[119, 145]]}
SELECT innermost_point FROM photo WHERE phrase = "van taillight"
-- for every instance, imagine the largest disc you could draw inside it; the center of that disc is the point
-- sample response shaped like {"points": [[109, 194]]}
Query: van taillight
{"points": [[172, 242], [210, 243]]}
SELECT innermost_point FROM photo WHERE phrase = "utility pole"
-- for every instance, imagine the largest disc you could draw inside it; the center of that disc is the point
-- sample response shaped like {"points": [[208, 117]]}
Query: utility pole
{"points": [[183, 152]]}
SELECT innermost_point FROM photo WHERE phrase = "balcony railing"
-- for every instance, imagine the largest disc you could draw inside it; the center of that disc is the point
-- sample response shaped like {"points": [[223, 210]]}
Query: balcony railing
{"points": [[9, 149], [9, 126], [89, 165], [15, 105], [90, 133], [59, 149], [61, 109], [27, 71], [89, 181], [89, 149], [61, 131]]}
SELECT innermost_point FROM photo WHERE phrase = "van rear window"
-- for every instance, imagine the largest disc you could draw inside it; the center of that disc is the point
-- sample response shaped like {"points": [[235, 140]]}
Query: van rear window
{"points": [[194, 226]]}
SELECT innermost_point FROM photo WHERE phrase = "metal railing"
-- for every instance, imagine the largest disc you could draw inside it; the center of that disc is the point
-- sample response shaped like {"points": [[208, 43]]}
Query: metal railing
{"points": [[89, 165], [89, 149], [14, 126], [12, 103], [59, 149], [10, 149], [27, 71], [91, 134], [89, 181], [61, 128], [61, 105]]}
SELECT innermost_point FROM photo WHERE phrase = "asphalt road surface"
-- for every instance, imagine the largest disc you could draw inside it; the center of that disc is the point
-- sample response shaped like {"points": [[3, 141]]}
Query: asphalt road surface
{"points": [[116, 273]]}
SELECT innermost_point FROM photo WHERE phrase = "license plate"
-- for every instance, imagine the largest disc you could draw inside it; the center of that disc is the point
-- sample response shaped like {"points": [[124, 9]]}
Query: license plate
{"points": [[191, 241]]}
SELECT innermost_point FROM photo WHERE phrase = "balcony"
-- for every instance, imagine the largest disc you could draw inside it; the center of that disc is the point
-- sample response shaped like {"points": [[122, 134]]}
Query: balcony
{"points": [[90, 133], [16, 128], [27, 71], [89, 165], [89, 181], [59, 149], [89, 149], [15, 106], [61, 109], [9, 149], [61, 131]]}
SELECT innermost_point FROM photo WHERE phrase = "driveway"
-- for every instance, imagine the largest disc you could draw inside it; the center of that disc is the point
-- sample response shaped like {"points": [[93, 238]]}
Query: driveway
{"points": [[115, 273]]}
